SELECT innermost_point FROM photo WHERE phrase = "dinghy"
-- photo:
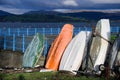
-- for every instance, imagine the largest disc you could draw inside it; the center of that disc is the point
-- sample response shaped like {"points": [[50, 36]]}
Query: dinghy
{"points": [[58, 46], [99, 46], [33, 51], [73, 55], [114, 53]]}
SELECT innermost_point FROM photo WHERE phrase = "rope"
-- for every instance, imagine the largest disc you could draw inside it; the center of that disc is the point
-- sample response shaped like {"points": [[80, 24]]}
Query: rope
{"points": [[98, 34]]}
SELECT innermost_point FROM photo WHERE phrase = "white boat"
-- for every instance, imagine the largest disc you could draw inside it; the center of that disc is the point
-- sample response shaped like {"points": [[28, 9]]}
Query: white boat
{"points": [[118, 58], [99, 46], [114, 56], [73, 54]]}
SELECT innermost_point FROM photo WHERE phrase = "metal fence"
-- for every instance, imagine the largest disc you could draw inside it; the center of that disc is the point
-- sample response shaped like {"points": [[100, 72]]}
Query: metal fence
{"points": [[33, 31], [45, 31], [17, 39], [20, 43]]}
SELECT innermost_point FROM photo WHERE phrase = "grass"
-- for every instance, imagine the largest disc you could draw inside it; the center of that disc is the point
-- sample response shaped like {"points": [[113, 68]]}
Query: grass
{"points": [[45, 76], [113, 37]]}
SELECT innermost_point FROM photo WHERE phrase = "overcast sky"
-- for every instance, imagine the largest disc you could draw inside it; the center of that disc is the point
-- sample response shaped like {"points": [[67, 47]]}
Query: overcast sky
{"points": [[21, 6]]}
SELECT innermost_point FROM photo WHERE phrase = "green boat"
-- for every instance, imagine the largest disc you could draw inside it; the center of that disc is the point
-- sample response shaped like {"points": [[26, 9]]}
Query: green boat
{"points": [[33, 51]]}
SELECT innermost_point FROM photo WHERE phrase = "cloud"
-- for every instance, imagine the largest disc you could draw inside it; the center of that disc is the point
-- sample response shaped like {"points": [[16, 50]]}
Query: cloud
{"points": [[14, 10], [15, 7], [70, 3], [11, 3], [105, 1], [43, 4], [25, 5]]}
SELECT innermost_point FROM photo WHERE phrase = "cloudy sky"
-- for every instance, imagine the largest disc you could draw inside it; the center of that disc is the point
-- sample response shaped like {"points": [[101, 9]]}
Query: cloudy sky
{"points": [[21, 6]]}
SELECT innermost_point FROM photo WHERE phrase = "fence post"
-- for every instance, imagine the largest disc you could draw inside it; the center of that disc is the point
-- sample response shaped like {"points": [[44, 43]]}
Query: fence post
{"points": [[74, 31], [43, 31], [51, 31], [85, 28], [79, 29], [0, 32], [13, 42], [58, 30], [23, 43], [18, 31], [5, 42], [27, 31], [35, 30], [46, 45], [9, 31], [117, 29], [111, 29]]}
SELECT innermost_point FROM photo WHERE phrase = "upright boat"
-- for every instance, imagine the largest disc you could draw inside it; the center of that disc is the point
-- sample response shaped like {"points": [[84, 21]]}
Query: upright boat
{"points": [[33, 51], [118, 59], [73, 55], [58, 46], [115, 54], [117, 63], [99, 46]]}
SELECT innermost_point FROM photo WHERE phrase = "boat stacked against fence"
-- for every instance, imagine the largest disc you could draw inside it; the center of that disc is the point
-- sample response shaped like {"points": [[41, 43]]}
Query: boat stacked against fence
{"points": [[86, 52]]}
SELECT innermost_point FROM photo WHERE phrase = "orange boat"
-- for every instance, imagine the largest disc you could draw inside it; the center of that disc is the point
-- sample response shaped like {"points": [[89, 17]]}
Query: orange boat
{"points": [[58, 46]]}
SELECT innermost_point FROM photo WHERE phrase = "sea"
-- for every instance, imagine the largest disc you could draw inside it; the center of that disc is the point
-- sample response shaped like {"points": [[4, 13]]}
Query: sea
{"points": [[49, 25]]}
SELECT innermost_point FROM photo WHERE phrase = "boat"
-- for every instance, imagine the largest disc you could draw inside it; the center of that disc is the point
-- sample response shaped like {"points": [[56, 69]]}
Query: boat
{"points": [[118, 59], [115, 55], [33, 51], [58, 46], [99, 46], [73, 55], [117, 63]]}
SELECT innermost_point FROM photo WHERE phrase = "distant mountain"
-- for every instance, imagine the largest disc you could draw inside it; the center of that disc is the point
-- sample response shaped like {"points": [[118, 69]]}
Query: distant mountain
{"points": [[94, 15], [53, 16], [3, 13], [43, 12], [40, 18], [88, 15]]}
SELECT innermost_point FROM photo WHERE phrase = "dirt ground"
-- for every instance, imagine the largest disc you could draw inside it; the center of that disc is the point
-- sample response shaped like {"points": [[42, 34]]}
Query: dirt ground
{"points": [[11, 62], [10, 58]]}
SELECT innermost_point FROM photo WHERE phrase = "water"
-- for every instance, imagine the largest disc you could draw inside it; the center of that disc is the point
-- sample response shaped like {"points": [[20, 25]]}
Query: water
{"points": [[38, 25], [48, 25]]}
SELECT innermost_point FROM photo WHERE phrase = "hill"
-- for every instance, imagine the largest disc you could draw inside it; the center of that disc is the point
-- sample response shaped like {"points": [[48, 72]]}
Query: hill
{"points": [[53, 16], [84, 15], [3, 13], [43, 12], [39, 16], [95, 15]]}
